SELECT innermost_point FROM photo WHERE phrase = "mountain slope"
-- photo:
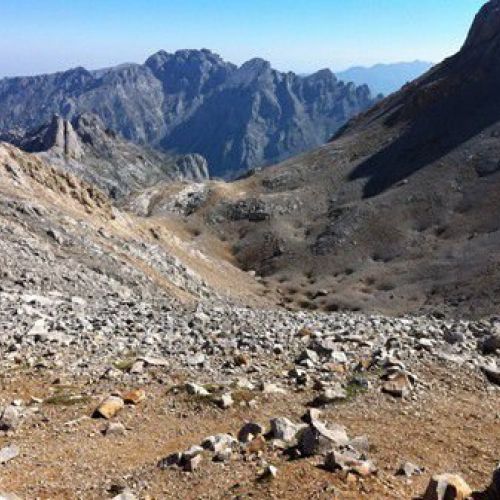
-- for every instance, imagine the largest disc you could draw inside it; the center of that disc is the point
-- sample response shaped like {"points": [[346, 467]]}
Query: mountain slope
{"points": [[60, 234], [400, 212], [385, 78], [194, 102]]}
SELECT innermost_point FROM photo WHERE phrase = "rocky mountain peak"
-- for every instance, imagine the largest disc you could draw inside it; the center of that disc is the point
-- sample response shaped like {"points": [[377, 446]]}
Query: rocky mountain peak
{"points": [[486, 25], [255, 67], [189, 71], [58, 136], [325, 73], [256, 64], [184, 55], [251, 71]]}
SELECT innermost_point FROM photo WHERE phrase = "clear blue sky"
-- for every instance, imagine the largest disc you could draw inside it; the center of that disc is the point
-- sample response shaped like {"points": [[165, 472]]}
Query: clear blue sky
{"points": [[299, 35]]}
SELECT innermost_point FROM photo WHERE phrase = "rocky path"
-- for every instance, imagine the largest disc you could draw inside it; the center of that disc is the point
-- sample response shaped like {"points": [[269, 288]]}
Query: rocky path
{"points": [[381, 393]]}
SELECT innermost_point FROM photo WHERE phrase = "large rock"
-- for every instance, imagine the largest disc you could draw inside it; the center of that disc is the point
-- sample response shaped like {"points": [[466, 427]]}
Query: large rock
{"points": [[8, 453], [10, 418], [8, 496], [57, 136], [398, 385], [319, 439], [218, 442], [493, 491], [491, 344], [109, 407], [248, 431], [346, 462], [447, 487], [331, 395], [284, 429], [409, 469], [492, 373]]}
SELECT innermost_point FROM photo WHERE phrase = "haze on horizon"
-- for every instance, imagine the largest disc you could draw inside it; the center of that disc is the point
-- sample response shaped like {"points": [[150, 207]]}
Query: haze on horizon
{"points": [[54, 35]]}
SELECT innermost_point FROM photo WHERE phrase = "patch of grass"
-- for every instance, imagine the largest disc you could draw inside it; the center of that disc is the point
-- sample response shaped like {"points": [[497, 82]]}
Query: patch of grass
{"points": [[243, 396], [125, 364], [65, 399], [58, 389], [354, 389], [214, 388]]}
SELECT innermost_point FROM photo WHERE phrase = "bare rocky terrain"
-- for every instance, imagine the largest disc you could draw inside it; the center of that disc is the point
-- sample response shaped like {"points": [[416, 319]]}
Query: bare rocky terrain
{"points": [[86, 148], [135, 357], [325, 328]]}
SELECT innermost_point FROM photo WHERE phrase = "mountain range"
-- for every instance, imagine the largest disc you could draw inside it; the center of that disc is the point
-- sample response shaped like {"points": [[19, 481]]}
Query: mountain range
{"points": [[193, 102], [385, 78]]}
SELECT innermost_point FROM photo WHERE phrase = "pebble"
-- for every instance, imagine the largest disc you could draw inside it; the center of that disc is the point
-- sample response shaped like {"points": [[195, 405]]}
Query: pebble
{"points": [[8, 453], [269, 473], [225, 401], [249, 431], [196, 390], [115, 429], [409, 469], [134, 397]]}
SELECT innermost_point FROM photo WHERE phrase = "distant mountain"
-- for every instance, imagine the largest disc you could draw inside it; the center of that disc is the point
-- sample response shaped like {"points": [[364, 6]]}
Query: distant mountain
{"points": [[194, 102], [385, 78]]}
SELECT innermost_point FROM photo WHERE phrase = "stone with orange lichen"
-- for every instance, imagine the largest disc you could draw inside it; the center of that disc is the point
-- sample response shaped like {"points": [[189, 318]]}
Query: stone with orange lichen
{"points": [[134, 397], [110, 407]]}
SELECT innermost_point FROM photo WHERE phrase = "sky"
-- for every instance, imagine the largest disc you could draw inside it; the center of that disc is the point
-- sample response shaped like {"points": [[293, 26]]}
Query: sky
{"points": [[40, 36]]}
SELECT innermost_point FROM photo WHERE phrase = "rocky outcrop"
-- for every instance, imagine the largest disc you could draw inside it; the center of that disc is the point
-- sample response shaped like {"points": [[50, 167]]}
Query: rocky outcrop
{"points": [[486, 25], [85, 147], [193, 102], [192, 167], [57, 136]]}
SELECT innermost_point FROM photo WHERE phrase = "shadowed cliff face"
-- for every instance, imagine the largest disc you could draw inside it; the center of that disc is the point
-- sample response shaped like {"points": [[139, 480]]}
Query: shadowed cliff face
{"points": [[446, 108], [194, 102], [400, 211], [486, 25]]}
